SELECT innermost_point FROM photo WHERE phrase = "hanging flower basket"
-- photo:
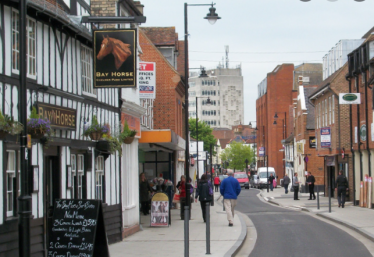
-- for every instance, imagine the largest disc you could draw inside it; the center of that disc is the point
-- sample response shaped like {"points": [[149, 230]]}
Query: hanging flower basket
{"points": [[9, 126], [95, 130], [128, 140], [103, 145], [3, 134], [96, 136], [35, 134]]}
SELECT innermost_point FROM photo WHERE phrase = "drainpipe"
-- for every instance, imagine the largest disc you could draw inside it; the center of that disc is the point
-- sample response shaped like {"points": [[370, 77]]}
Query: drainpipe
{"points": [[358, 129], [351, 141], [364, 73]]}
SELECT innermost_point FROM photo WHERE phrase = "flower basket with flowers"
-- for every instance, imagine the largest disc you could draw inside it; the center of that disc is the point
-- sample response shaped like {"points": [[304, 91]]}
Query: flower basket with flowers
{"points": [[127, 135], [38, 127], [9, 126], [112, 141], [95, 131]]}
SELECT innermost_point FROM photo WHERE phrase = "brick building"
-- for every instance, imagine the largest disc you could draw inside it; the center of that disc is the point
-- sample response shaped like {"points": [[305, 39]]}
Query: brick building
{"points": [[275, 95]]}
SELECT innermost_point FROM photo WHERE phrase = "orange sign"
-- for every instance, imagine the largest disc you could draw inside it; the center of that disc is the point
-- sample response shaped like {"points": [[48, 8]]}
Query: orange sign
{"points": [[133, 122]]}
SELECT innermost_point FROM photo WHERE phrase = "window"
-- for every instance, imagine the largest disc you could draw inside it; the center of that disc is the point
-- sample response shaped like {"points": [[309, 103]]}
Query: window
{"points": [[316, 116], [326, 111], [319, 116], [323, 113], [329, 110], [73, 161], [10, 182], [192, 93], [333, 109], [80, 171], [86, 70], [99, 178], [30, 45]]}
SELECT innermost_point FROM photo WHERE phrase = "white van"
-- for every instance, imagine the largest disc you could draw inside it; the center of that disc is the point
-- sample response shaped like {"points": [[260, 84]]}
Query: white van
{"points": [[263, 173]]}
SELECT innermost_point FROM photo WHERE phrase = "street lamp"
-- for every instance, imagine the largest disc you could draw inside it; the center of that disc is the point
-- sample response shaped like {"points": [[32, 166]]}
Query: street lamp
{"points": [[208, 102], [212, 18]]}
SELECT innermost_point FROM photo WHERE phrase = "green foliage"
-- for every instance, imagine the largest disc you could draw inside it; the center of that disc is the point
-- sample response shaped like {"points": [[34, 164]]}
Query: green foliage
{"points": [[114, 144], [34, 114], [95, 127], [127, 132], [236, 153], [7, 124], [204, 133]]}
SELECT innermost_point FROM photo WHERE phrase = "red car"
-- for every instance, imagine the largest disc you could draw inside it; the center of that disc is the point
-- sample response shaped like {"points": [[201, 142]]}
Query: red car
{"points": [[242, 178]]}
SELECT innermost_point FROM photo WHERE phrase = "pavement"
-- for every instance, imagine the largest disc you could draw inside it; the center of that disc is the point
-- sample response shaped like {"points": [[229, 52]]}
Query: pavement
{"points": [[169, 241], [354, 217]]}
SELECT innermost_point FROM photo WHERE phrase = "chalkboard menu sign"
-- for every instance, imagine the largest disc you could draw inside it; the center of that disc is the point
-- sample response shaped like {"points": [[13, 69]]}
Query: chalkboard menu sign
{"points": [[77, 229]]}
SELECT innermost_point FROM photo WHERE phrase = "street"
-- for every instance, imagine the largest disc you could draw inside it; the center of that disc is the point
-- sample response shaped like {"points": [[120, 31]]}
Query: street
{"points": [[286, 232]]}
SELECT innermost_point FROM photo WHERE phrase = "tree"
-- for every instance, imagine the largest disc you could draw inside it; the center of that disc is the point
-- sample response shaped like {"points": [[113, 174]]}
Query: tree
{"points": [[236, 153], [205, 133]]}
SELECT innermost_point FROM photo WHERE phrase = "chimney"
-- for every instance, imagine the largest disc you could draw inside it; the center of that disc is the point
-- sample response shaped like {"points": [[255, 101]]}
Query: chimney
{"points": [[139, 6]]}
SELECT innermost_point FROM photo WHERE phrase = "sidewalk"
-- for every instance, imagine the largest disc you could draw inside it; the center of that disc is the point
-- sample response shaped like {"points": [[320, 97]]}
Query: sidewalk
{"points": [[357, 218], [169, 241]]}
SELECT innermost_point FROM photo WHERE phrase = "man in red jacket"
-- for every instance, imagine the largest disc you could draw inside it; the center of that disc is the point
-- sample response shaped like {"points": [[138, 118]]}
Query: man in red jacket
{"points": [[216, 183]]}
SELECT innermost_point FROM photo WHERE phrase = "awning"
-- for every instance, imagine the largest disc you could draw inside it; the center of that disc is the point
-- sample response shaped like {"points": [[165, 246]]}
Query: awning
{"points": [[163, 139]]}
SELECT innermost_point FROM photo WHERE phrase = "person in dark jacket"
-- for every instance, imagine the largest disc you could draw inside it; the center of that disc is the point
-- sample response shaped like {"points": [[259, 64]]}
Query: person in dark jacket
{"points": [[203, 193], [286, 182], [341, 187], [230, 189], [270, 181], [310, 181], [144, 189]]}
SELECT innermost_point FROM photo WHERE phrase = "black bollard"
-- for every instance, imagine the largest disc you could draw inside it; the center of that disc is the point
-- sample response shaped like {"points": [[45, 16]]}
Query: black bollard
{"points": [[207, 219], [186, 230], [317, 197]]}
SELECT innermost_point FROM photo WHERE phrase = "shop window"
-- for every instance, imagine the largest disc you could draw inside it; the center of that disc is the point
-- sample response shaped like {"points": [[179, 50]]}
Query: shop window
{"points": [[86, 70], [73, 161], [99, 178]]}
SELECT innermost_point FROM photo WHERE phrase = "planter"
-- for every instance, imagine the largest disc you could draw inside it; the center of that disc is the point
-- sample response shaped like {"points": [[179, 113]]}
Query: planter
{"points": [[96, 136], [128, 140], [103, 145], [36, 135], [3, 134]]}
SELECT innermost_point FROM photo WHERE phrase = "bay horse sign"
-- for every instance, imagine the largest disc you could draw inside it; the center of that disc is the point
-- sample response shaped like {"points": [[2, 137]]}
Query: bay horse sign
{"points": [[114, 58]]}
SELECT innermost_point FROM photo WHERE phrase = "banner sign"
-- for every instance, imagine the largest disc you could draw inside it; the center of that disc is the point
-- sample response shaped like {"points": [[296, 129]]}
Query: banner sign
{"points": [[147, 80], [326, 137], [261, 151], [114, 58], [60, 117], [160, 210], [349, 98]]}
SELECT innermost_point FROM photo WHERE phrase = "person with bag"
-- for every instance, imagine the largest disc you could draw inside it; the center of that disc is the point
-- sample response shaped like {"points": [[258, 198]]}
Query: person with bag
{"points": [[295, 185], [205, 193], [144, 189], [216, 183], [286, 182], [341, 187]]}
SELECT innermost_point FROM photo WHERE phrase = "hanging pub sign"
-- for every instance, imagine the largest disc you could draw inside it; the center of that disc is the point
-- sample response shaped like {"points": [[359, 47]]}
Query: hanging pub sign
{"points": [[326, 137], [77, 229], [60, 117], [114, 58]]}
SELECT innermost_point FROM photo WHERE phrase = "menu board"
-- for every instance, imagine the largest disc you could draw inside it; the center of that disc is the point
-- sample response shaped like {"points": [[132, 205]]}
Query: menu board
{"points": [[160, 211], [77, 229]]}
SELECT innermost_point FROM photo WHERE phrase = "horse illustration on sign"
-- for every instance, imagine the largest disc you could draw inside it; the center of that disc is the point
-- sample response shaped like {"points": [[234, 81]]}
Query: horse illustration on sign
{"points": [[120, 50]]}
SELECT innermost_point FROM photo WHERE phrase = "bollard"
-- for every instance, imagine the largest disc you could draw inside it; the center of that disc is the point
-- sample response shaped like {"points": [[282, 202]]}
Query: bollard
{"points": [[207, 219], [186, 231], [317, 197]]}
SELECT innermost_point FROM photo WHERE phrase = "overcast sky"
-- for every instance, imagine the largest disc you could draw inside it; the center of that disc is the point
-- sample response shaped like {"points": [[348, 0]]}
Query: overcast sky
{"points": [[262, 33]]}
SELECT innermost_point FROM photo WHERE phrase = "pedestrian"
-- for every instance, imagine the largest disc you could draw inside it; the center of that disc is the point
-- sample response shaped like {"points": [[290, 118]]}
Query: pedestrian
{"points": [[181, 186], [216, 183], [295, 185], [203, 191], [286, 182], [310, 181], [270, 181], [144, 190], [341, 187], [230, 189]]}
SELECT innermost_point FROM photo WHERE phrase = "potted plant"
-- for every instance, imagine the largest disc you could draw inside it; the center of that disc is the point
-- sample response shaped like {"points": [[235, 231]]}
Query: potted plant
{"points": [[95, 131], [38, 127], [127, 135], [9, 126]]}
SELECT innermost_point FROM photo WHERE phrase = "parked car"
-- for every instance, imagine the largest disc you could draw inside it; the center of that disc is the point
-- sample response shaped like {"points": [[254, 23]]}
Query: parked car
{"points": [[263, 175], [243, 179], [254, 181]]}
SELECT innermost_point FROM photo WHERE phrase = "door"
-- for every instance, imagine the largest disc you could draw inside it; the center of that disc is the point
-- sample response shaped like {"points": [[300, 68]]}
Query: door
{"points": [[331, 171], [52, 188]]}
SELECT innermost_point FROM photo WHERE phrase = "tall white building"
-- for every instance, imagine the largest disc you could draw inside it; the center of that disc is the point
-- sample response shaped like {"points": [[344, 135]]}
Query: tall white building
{"points": [[224, 87]]}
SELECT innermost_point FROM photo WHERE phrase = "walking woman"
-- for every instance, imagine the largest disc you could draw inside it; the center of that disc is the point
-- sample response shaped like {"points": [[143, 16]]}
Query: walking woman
{"points": [[144, 189], [181, 186], [203, 192]]}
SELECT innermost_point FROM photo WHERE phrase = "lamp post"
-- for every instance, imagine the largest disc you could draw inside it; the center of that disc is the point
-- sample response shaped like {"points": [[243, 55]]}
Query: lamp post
{"points": [[212, 18], [211, 171], [208, 102], [246, 166]]}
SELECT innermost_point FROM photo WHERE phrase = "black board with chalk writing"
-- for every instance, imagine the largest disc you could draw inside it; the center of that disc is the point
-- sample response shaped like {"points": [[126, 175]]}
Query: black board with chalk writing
{"points": [[78, 229]]}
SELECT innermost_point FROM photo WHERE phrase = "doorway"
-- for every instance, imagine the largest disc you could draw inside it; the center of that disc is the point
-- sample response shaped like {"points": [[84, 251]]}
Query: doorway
{"points": [[331, 179]]}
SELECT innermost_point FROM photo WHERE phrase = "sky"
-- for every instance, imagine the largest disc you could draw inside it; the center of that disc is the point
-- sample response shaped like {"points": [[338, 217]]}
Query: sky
{"points": [[262, 33]]}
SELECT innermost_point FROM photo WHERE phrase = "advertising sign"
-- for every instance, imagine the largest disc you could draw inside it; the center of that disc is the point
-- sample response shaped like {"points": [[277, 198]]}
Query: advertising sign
{"points": [[160, 210], [300, 148], [114, 58], [312, 142], [326, 137], [202, 155], [349, 98], [261, 151], [147, 80], [60, 117]]}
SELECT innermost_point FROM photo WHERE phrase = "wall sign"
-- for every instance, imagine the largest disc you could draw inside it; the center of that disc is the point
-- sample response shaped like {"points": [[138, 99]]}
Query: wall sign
{"points": [[326, 137], [147, 80], [300, 148], [363, 132], [349, 98], [114, 58], [77, 229], [312, 142], [60, 117], [261, 151]]}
